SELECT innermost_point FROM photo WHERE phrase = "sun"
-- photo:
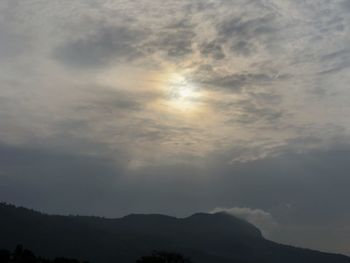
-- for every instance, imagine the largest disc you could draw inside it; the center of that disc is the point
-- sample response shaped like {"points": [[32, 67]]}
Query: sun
{"points": [[185, 92], [181, 93]]}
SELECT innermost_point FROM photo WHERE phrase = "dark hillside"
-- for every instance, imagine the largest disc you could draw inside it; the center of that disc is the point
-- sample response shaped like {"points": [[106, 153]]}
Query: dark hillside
{"points": [[205, 238]]}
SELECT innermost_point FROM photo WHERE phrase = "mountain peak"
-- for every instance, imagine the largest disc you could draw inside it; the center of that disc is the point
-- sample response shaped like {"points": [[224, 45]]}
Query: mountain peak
{"points": [[225, 223]]}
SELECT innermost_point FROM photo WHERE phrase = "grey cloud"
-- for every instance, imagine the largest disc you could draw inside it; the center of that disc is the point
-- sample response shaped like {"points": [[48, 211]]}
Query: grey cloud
{"points": [[99, 49], [254, 111], [335, 61], [294, 187], [250, 114], [11, 44], [260, 218], [118, 114], [212, 49], [244, 33], [254, 107], [243, 48], [345, 4], [28, 173], [198, 6], [14, 41], [175, 42], [304, 185], [269, 98], [308, 172], [334, 25], [181, 24], [335, 55], [107, 99], [236, 82]]}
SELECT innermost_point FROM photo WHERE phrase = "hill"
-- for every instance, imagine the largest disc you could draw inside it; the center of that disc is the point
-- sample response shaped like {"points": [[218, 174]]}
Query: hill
{"points": [[205, 238]]}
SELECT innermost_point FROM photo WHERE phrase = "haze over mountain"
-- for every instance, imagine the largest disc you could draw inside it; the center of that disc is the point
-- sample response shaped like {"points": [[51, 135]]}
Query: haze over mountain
{"points": [[205, 238]]}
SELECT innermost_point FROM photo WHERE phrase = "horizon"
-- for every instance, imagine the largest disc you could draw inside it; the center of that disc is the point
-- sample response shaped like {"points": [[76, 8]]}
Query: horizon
{"points": [[123, 216], [126, 215], [113, 107]]}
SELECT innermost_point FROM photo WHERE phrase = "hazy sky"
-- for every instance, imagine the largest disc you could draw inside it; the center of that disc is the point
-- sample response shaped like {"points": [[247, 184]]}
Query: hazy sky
{"points": [[110, 107]]}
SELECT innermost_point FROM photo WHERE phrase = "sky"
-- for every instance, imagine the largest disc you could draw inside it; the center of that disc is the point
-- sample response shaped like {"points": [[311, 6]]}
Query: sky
{"points": [[111, 107]]}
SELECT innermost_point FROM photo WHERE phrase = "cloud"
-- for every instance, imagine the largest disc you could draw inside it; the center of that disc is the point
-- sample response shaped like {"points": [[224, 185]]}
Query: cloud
{"points": [[102, 47], [260, 218], [243, 48], [12, 44], [246, 34], [345, 4], [29, 173], [247, 28], [336, 61], [212, 49], [235, 82], [175, 41]]}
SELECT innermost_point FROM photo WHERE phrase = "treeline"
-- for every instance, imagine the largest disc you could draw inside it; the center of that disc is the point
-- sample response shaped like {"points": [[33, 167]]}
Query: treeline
{"points": [[21, 255], [164, 257]]}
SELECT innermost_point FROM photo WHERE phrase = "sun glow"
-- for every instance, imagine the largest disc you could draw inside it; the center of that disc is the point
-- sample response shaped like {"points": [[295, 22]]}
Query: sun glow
{"points": [[181, 93]]}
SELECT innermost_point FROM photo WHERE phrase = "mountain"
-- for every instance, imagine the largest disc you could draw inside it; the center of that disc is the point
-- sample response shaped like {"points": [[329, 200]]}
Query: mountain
{"points": [[205, 238]]}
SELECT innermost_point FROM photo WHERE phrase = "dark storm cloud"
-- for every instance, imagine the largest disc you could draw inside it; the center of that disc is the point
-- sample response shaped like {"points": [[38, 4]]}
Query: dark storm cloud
{"points": [[102, 47]]}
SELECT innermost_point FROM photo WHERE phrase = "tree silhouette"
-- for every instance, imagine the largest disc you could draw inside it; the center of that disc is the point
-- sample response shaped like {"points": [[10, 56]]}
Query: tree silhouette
{"points": [[18, 250], [5, 255], [21, 255], [163, 257]]}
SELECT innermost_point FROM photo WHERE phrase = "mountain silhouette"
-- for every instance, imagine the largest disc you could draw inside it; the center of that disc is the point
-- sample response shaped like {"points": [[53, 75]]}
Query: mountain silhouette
{"points": [[205, 238]]}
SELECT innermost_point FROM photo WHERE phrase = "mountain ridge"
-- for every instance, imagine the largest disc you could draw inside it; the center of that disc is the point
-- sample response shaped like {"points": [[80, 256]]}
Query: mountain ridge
{"points": [[211, 238]]}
